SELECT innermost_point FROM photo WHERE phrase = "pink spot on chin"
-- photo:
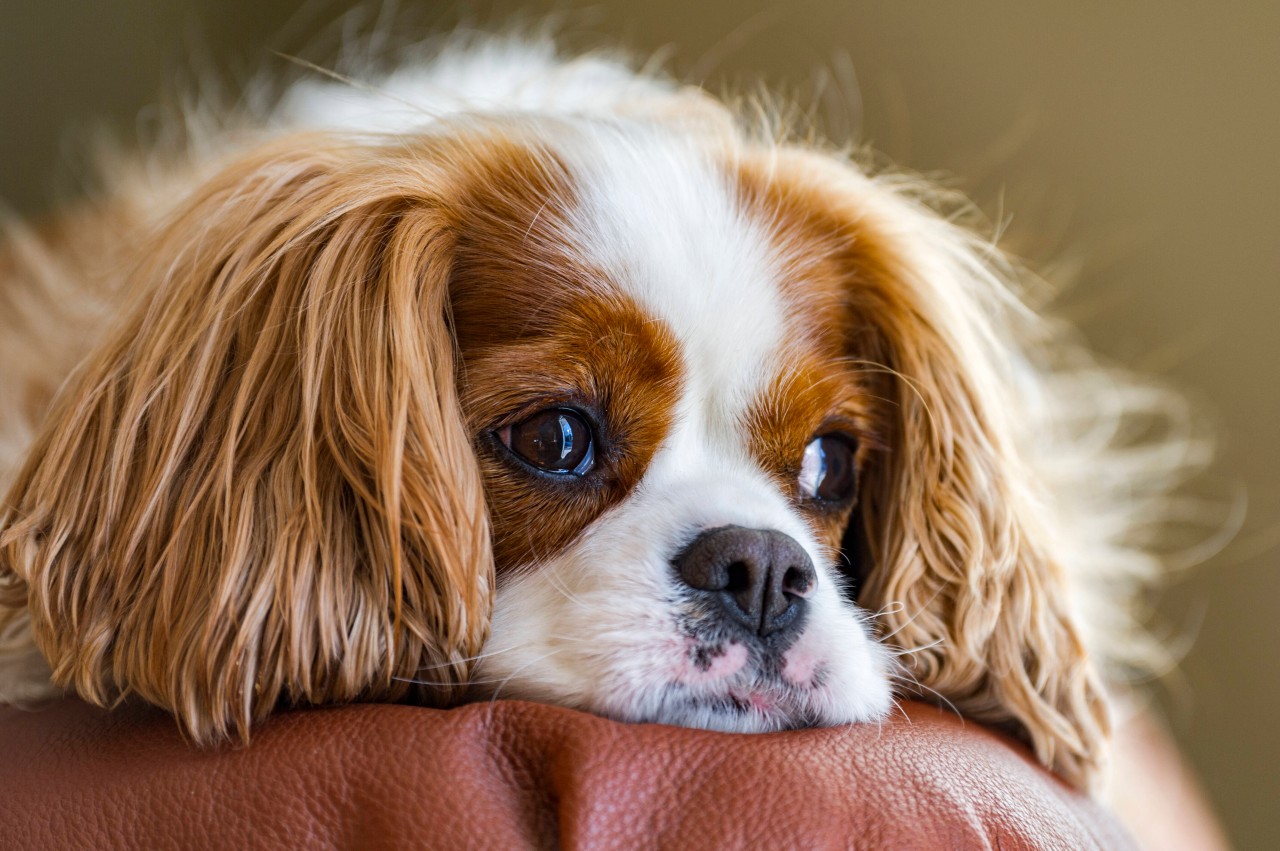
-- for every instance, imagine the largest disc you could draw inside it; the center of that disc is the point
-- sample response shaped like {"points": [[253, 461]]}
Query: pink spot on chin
{"points": [[799, 666], [720, 662], [730, 662], [759, 701]]}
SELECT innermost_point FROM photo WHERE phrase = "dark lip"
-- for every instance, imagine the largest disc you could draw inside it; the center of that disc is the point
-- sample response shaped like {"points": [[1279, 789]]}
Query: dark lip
{"points": [[764, 654]]}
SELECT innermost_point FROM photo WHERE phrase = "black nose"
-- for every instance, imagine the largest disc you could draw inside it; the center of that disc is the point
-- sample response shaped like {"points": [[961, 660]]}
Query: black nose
{"points": [[759, 577]]}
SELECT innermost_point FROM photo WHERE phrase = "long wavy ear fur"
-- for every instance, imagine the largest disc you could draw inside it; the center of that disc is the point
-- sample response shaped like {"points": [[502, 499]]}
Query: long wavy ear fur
{"points": [[259, 488], [964, 535], [954, 518]]}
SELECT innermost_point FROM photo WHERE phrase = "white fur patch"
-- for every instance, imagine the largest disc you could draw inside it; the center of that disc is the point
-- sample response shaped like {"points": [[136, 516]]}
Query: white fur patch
{"points": [[495, 76]]}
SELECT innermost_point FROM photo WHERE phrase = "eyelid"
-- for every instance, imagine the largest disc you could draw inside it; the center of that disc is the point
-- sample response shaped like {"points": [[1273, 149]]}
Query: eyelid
{"points": [[568, 400], [839, 425]]}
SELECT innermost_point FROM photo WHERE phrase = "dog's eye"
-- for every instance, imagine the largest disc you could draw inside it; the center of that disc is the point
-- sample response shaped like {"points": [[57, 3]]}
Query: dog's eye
{"points": [[827, 471], [557, 440]]}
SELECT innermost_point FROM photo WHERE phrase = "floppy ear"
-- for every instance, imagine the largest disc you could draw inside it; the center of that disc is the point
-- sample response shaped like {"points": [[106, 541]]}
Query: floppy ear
{"points": [[962, 561], [961, 534], [259, 489]]}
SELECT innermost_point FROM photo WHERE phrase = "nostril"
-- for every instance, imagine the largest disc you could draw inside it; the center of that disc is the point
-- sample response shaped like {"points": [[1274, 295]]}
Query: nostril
{"points": [[739, 577], [798, 581]]}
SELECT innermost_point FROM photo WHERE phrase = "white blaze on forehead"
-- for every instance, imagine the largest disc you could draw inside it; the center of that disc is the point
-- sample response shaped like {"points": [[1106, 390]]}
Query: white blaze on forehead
{"points": [[659, 216]]}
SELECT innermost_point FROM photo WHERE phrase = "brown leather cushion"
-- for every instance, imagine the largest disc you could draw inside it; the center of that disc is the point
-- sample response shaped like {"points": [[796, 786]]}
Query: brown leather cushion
{"points": [[512, 775]]}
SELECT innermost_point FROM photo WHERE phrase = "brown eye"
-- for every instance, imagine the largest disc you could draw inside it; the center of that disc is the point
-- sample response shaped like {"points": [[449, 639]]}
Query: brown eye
{"points": [[557, 440], [827, 470]]}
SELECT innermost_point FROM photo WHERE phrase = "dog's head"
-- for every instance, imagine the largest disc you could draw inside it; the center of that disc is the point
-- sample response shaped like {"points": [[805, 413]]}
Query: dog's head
{"points": [[638, 415]]}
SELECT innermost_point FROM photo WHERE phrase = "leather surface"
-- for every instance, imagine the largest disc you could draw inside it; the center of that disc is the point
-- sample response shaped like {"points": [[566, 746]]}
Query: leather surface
{"points": [[515, 775]]}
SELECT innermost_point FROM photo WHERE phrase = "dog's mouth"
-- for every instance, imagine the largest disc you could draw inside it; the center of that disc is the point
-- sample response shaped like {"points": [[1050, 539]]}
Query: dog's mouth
{"points": [[768, 701], [741, 687], [746, 707], [724, 662]]}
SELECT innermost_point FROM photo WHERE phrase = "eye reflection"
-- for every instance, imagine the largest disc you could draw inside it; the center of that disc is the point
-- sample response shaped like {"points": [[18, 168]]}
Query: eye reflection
{"points": [[827, 470], [555, 440]]}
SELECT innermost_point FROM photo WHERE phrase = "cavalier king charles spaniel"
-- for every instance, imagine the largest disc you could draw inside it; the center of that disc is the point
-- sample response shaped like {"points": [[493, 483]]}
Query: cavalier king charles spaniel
{"points": [[502, 374]]}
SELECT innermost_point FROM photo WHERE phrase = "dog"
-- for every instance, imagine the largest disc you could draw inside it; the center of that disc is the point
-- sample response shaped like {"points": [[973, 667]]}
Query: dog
{"points": [[510, 375]]}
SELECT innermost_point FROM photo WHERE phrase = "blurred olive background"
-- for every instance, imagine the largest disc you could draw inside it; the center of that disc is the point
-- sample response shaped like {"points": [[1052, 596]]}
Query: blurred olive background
{"points": [[1133, 144]]}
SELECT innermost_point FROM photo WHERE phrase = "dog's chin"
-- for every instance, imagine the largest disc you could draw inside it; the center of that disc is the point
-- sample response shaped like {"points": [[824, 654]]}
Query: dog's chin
{"points": [[736, 687], [747, 708], [756, 706], [752, 708], [723, 695]]}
